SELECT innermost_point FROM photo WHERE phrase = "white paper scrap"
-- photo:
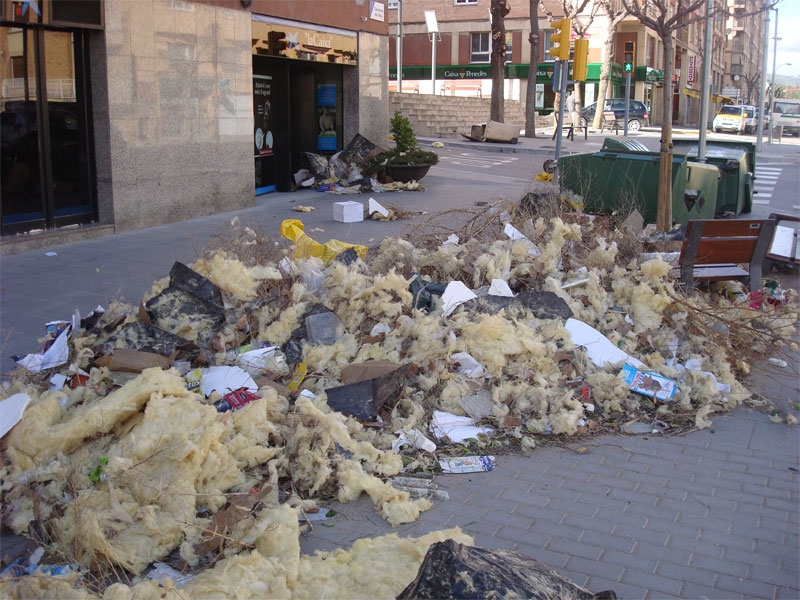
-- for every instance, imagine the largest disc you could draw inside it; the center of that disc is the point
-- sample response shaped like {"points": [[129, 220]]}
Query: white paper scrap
{"points": [[454, 428], [452, 240], [515, 234], [226, 379], [500, 288], [11, 411], [467, 365], [454, 294], [162, 570], [254, 361], [414, 437], [377, 207], [380, 328], [57, 354], [598, 347], [467, 464]]}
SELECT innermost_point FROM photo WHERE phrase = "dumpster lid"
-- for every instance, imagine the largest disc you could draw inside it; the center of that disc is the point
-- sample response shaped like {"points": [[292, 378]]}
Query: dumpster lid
{"points": [[615, 144], [718, 152]]}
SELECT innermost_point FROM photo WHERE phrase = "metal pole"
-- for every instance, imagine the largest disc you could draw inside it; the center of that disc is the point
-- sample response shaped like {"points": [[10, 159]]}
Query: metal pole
{"points": [[706, 87], [763, 91], [562, 84], [772, 86], [627, 99], [433, 63], [399, 46]]}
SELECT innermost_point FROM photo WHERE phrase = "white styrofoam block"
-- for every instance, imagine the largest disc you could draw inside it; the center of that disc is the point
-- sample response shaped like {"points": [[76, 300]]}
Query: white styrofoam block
{"points": [[348, 212]]}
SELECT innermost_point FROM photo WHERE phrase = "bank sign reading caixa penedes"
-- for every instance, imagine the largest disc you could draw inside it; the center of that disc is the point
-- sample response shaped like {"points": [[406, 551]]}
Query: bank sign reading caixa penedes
{"points": [[471, 73]]}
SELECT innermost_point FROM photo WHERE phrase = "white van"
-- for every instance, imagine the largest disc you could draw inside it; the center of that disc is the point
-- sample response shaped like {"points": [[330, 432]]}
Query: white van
{"points": [[738, 119]]}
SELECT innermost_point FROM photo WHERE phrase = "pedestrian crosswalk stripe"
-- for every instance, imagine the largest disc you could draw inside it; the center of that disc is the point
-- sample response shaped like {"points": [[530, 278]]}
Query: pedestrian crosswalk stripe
{"points": [[760, 201], [764, 194]]}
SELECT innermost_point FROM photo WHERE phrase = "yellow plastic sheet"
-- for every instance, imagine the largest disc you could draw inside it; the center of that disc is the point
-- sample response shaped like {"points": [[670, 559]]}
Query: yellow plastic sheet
{"points": [[305, 247]]}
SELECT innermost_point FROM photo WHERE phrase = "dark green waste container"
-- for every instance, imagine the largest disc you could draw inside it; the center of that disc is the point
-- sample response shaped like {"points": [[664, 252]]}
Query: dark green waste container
{"points": [[736, 162], [622, 179]]}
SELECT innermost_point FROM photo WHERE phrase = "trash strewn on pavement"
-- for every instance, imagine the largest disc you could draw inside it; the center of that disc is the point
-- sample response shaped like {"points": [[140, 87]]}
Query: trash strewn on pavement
{"points": [[330, 364]]}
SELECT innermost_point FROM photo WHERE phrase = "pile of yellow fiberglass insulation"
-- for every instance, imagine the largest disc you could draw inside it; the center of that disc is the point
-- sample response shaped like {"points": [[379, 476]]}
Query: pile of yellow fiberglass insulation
{"points": [[122, 478]]}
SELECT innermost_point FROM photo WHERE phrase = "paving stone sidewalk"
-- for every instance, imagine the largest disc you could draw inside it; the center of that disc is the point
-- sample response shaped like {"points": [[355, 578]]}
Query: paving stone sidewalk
{"points": [[709, 514]]}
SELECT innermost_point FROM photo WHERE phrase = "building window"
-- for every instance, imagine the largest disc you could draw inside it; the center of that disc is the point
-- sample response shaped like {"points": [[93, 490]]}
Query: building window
{"points": [[481, 48], [481, 51], [394, 4], [464, 2], [545, 35]]}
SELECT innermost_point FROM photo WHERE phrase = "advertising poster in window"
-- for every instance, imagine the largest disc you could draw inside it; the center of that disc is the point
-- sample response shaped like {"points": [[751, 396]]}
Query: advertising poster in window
{"points": [[539, 96], [262, 113], [326, 118]]}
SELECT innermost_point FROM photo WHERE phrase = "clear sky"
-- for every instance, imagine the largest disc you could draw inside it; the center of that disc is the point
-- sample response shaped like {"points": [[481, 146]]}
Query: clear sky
{"points": [[788, 49]]}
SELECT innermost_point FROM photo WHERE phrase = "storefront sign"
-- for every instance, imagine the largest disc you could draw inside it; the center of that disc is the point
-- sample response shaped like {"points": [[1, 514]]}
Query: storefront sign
{"points": [[691, 73], [539, 97], [303, 41], [262, 115], [376, 11]]}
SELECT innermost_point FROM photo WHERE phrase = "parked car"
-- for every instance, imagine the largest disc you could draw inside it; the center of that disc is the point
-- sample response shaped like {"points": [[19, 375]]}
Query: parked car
{"points": [[637, 112], [736, 119]]}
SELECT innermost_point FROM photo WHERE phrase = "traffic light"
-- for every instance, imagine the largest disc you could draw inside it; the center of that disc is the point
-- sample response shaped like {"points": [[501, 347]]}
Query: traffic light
{"points": [[581, 65], [559, 41], [629, 61]]}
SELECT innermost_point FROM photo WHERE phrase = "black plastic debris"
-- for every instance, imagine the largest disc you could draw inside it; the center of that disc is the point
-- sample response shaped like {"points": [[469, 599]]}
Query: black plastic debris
{"points": [[363, 400], [453, 570], [191, 282], [424, 290], [347, 257], [192, 298], [545, 305], [146, 338]]}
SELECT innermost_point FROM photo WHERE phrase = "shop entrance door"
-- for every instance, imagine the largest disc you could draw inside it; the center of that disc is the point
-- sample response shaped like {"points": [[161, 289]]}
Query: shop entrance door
{"points": [[46, 180]]}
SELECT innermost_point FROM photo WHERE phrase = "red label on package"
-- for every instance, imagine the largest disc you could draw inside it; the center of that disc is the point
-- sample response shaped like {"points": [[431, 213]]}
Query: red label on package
{"points": [[238, 398]]}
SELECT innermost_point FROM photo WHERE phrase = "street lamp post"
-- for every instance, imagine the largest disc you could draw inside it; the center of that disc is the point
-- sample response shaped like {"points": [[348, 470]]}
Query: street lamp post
{"points": [[772, 92]]}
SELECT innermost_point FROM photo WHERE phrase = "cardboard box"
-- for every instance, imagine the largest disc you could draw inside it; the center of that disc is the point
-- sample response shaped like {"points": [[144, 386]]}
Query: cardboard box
{"points": [[348, 212]]}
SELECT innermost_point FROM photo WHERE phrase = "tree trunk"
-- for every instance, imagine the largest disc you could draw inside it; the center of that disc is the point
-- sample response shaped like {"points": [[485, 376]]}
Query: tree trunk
{"points": [[605, 76], [530, 90], [499, 9], [664, 215]]}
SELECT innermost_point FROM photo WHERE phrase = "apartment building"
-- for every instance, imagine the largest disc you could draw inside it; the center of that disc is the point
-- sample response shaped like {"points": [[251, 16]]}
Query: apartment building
{"points": [[743, 49], [124, 114], [463, 53]]}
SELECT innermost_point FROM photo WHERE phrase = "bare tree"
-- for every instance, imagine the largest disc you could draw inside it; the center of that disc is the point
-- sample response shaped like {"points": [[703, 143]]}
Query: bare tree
{"points": [[530, 90], [499, 9], [752, 82], [665, 17], [615, 17]]}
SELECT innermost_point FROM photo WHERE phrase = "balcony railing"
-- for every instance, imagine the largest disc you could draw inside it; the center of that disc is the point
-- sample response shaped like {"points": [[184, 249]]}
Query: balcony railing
{"points": [[57, 89]]}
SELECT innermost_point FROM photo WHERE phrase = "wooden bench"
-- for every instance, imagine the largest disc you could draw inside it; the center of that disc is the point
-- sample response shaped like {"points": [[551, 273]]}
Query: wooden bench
{"points": [[407, 87], [459, 86], [610, 121], [713, 250]]}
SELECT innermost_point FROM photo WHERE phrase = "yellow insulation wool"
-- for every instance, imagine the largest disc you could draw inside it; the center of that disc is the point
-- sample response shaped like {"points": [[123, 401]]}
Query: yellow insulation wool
{"points": [[233, 277], [391, 503], [45, 430]]}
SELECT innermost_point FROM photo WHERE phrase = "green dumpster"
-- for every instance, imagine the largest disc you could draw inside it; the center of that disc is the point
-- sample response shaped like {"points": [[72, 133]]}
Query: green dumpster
{"points": [[734, 160], [621, 180]]}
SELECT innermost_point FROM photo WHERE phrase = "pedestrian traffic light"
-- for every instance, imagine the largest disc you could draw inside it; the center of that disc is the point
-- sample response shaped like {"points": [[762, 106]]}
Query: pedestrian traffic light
{"points": [[629, 59], [581, 65], [559, 41]]}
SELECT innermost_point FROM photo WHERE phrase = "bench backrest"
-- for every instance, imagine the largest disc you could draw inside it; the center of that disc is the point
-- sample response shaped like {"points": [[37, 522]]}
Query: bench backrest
{"points": [[722, 241]]}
